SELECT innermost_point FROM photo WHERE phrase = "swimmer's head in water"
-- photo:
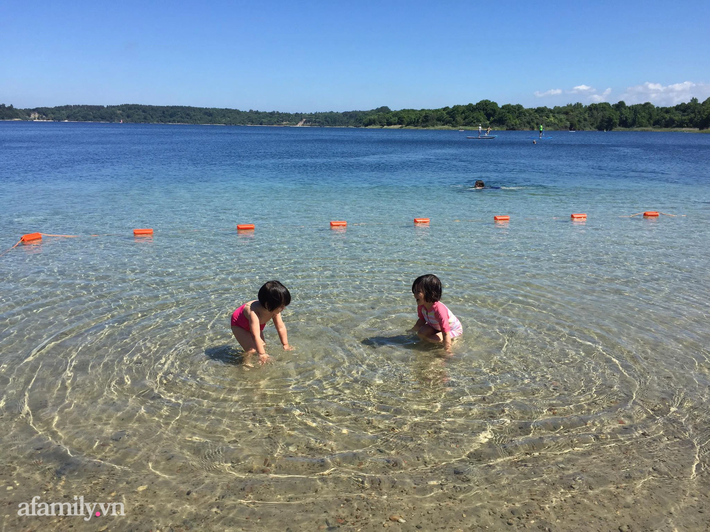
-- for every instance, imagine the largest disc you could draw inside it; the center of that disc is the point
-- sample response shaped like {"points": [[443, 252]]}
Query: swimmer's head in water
{"points": [[479, 184]]}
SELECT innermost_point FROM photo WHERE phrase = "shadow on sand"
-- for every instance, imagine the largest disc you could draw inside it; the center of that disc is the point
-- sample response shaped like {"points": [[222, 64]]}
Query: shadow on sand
{"points": [[408, 341], [226, 354]]}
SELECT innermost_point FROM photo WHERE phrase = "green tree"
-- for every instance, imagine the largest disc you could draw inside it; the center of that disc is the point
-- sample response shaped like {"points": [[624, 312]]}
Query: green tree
{"points": [[704, 120], [626, 115]]}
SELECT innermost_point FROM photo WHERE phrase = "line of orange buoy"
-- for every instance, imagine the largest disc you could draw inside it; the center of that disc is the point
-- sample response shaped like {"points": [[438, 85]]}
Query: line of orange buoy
{"points": [[501, 218]]}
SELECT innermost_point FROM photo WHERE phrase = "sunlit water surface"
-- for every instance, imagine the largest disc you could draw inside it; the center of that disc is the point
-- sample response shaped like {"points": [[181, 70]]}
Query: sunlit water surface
{"points": [[583, 368]]}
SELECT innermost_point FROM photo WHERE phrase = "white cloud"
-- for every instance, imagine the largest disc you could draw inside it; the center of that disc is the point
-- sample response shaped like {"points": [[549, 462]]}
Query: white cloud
{"points": [[598, 98], [669, 95], [581, 88], [551, 92], [590, 92], [657, 94]]}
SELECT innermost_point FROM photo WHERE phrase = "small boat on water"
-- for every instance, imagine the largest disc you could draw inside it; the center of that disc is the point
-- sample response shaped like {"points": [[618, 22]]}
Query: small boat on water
{"points": [[483, 137]]}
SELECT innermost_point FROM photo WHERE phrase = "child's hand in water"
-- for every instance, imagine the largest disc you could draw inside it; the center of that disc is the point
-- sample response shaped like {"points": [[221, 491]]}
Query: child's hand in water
{"points": [[288, 347], [264, 359]]}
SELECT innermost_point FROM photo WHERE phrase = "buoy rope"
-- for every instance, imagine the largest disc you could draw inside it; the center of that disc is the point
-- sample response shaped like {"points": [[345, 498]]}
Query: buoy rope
{"points": [[10, 249], [659, 212]]}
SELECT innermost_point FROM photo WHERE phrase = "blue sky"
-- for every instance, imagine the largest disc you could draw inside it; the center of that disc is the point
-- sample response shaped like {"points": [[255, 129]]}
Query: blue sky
{"points": [[305, 56]]}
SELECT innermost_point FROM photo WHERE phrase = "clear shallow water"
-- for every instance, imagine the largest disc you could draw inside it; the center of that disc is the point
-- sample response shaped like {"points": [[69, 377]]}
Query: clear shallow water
{"points": [[581, 381]]}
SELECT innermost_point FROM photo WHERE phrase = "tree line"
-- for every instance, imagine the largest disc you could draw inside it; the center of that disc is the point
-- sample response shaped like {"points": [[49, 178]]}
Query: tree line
{"points": [[596, 116]]}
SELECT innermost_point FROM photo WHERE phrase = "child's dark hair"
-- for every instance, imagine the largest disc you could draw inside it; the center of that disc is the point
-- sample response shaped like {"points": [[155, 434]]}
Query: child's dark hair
{"points": [[429, 285], [274, 295]]}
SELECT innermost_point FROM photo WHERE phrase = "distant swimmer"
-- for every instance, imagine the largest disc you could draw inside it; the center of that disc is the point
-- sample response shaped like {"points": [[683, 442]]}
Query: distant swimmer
{"points": [[480, 185], [542, 129], [488, 131], [479, 131]]}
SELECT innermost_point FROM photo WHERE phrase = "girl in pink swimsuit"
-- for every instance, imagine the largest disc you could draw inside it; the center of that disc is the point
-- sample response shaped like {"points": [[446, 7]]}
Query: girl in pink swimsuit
{"points": [[436, 323], [249, 320]]}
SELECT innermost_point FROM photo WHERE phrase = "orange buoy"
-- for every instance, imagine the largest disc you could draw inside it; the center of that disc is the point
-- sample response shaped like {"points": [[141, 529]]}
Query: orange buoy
{"points": [[142, 232], [421, 220], [245, 227], [31, 237], [650, 214], [579, 216], [505, 218], [340, 223]]}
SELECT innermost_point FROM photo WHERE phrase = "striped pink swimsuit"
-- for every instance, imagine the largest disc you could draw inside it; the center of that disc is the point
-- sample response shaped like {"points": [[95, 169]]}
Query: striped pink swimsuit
{"points": [[441, 319]]}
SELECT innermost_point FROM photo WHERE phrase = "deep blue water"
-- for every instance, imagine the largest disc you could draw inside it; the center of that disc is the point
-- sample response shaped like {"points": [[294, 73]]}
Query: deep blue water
{"points": [[177, 176]]}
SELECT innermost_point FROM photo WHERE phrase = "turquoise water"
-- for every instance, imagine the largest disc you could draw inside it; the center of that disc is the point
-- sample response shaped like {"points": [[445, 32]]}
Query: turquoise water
{"points": [[583, 369]]}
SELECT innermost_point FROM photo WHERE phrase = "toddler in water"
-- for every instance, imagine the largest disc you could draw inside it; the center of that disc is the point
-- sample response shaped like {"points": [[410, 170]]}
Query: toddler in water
{"points": [[249, 320], [436, 323]]}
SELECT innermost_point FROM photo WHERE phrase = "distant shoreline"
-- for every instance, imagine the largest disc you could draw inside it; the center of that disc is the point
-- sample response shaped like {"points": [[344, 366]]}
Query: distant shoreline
{"points": [[434, 128], [508, 117]]}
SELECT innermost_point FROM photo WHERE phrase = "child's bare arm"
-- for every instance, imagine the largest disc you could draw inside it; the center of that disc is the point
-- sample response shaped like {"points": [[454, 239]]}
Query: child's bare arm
{"points": [[447, 341], [281, 330], [256, 333], [417, 325]]}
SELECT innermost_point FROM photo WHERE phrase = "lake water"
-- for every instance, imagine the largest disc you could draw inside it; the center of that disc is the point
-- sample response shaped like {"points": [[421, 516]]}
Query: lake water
{"points": [[577, 398]]}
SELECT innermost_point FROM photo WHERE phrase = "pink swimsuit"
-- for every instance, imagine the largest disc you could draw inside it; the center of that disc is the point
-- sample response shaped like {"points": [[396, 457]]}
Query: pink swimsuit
{"points": [[441, 319], [240, 320]]}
